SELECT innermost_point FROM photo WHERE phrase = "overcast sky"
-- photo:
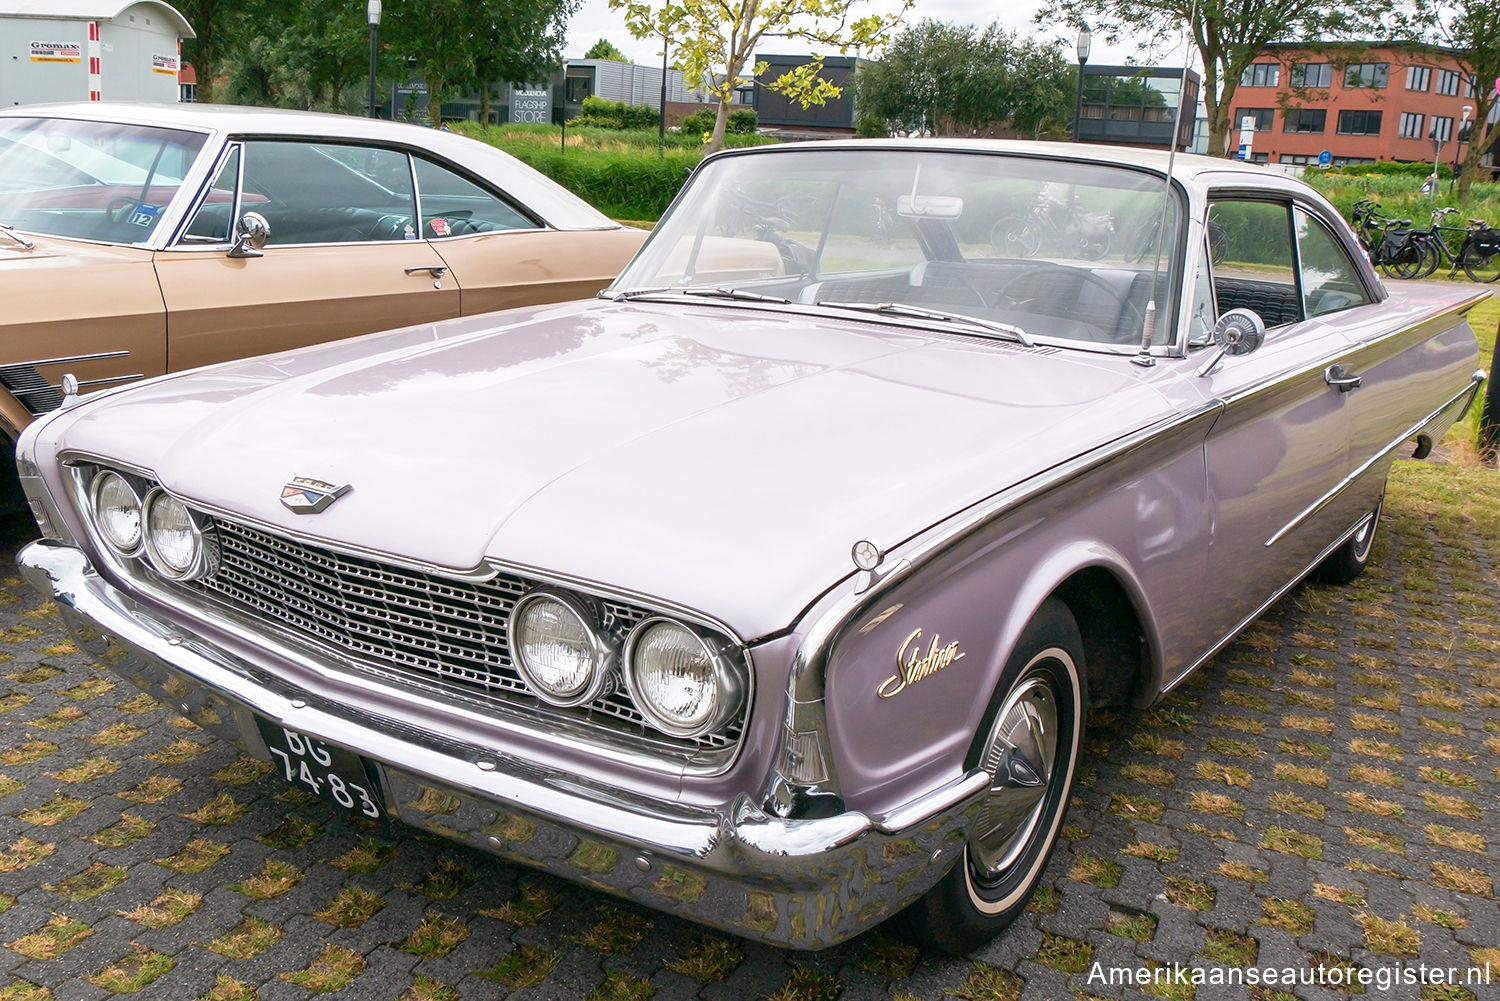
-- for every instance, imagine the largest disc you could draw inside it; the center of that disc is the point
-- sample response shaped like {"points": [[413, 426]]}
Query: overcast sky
{"points": [[595, 20]]}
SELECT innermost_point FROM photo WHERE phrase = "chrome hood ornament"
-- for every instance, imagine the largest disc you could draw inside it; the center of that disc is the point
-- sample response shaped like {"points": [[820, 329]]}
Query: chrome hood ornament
{"points": [[304, 495]]}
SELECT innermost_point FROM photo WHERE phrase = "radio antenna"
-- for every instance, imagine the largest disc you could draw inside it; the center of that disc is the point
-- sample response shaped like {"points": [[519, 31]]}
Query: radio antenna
{"points": [[1148, 325]]}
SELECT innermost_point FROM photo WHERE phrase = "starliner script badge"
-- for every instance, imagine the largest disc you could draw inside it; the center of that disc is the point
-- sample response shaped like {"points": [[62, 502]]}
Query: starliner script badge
{"points": [[913, 667], [304, 495]]}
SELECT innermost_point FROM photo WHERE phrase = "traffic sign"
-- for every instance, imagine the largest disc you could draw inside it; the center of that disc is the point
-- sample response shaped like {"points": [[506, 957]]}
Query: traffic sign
{"points": [[1325, 158]]}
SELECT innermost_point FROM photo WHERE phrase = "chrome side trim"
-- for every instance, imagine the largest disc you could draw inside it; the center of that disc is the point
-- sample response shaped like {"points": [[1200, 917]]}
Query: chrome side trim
{"points": [[1471, 390], [65, 361], [950, 796]]}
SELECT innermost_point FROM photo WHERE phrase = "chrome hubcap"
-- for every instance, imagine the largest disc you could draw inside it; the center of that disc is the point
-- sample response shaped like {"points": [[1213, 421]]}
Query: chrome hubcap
{"points": [[1366, 534], [1020, 758]]}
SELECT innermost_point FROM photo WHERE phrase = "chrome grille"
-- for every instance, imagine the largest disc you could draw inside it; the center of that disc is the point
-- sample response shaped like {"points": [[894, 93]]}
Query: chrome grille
{"points": [[435, 634]]}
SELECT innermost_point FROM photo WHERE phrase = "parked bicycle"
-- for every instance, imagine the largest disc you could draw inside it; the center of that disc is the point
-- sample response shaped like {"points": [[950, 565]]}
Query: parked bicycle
{"points": [[1478, 251], [1086, 234], [1389, 242]]}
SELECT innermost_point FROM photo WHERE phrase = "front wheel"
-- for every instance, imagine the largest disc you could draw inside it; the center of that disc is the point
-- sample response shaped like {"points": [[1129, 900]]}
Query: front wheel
{"points": [[1029, 745], [1479, 266]]}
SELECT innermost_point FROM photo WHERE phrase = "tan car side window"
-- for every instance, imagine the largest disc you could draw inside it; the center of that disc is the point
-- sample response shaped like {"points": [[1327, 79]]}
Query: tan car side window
{"points": [[328, 192], [1254, 259], [455, 206], [1330, 282], [214, 220]]}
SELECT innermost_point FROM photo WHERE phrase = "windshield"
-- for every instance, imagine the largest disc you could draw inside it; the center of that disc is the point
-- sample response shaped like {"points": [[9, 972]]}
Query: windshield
{"points": [[1055, 249], [91, 180]]}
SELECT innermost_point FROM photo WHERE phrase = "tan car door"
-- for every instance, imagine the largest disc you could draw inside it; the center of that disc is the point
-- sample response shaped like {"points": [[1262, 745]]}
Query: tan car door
{"points": [[342, 257], [501, 256]]}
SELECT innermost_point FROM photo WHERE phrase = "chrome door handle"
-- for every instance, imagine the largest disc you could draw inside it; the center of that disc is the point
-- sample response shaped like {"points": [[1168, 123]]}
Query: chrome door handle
{"points": [[1341, 379], [436, 270]]}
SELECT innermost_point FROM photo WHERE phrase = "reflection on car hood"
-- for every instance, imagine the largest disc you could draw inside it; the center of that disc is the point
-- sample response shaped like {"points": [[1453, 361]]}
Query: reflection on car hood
{"points": [[722, 458]]}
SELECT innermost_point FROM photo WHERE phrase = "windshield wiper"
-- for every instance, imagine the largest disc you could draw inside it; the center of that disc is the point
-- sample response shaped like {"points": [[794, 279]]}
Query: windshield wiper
{"points": [[916, 312], [10, 231], [707, 293], [734, 293]]}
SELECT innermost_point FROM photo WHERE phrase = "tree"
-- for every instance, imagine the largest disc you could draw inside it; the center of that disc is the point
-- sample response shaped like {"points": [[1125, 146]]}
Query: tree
{"points": [[1471, 29], [216, 23], [1228, 34], [716, 39], [605, 49], [475, 43], [952, 79]]}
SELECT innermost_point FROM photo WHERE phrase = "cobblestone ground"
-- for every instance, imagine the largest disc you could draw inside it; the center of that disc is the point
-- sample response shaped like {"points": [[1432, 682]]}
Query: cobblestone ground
{"points": [[1324, 795]]}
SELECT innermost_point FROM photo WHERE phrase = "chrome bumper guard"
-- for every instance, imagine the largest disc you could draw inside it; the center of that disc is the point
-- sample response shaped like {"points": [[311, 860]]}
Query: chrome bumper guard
{"points": [[800, 883]]}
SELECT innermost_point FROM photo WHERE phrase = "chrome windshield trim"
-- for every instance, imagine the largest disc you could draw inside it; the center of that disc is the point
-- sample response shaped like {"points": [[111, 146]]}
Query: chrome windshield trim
{"points": [[1471, 390]]}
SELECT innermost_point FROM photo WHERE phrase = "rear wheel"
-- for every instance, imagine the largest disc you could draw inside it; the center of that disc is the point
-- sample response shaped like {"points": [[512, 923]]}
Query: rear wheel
{"points": [[1029, 745], [1480, 267], [1349, 560]]}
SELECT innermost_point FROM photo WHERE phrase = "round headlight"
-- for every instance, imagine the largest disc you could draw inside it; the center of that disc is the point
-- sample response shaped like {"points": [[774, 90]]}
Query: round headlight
{"points": [[173, 540], [117, 512], [557, 652], [682, 685]]}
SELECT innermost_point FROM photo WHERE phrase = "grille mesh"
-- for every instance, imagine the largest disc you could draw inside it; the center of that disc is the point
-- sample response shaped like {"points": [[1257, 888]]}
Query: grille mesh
{"points": [[417, 629]]}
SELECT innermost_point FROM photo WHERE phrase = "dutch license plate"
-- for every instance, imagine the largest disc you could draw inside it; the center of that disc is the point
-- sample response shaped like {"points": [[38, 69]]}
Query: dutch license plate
{"points": [[336, 775]]}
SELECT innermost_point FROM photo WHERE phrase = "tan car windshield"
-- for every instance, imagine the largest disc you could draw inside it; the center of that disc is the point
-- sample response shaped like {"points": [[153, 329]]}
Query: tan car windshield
{"points": [[90, 180]]}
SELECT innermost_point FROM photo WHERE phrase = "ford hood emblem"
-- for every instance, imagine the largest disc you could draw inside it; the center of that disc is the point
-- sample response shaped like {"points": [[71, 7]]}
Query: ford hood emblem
{"points": [[304, 495]]}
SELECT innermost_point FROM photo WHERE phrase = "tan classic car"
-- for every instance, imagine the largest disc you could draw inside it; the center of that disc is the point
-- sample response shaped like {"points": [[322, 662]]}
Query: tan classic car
{"points": [[142, 239]]}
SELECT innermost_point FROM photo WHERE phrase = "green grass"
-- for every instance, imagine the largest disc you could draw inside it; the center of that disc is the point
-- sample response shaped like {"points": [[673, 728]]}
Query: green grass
{"points": [[624, 174], [1400, 196]]}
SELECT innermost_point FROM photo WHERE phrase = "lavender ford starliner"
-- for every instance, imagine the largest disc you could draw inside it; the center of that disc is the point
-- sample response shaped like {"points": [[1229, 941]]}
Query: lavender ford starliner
{"points": [[771, 588]]}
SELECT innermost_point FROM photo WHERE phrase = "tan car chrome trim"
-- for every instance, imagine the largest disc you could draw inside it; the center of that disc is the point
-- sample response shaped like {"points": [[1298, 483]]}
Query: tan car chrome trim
{"points": [[1470, 390], [49, 388], [64, 361]]}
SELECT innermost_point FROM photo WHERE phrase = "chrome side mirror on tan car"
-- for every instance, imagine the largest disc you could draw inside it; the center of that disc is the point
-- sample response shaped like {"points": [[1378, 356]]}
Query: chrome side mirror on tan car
{"points": [[254, 232], [1238, 332]]}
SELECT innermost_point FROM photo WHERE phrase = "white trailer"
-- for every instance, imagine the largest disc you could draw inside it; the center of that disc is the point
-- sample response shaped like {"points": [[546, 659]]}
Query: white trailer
{"points": [[94, 50]]}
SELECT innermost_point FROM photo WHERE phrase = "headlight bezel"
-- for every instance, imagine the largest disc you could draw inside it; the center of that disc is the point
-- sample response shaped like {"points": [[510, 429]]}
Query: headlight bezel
{"points": [[602, 653], [205, 546], [730, 685], [97, 521]]}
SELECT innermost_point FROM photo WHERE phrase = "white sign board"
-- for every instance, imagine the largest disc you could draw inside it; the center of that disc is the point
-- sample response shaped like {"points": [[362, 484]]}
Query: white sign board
{"points": [[1247, 136]]}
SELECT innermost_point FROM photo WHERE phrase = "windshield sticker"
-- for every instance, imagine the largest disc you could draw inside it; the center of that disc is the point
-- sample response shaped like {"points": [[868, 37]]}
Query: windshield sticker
{"points": [[56, 52], [411, 234], [439, 226], [144, 214]]}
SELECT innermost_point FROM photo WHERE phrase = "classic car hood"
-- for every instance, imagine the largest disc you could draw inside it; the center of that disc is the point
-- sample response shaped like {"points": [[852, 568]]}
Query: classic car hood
{"points": [[723, 458]]}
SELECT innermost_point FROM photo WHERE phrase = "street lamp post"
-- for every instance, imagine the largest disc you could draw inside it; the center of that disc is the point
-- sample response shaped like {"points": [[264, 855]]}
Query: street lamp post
{"points": [[1458, 145], [661, 124], [372, 11], [1085, 43], [1437, 156]]}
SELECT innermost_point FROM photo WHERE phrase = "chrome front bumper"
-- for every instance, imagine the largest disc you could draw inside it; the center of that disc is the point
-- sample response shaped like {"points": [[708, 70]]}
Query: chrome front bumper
{"points": [[800, 883]]}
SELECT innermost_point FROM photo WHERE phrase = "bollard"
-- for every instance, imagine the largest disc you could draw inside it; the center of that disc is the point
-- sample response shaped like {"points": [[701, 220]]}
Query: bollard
{"points": [[1489, 418]]}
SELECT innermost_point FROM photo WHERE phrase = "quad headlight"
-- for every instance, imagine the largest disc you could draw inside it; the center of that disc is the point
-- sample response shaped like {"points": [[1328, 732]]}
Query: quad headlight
{"points": [[117, 512], [176, 545], [557, 648], [681, 681]]}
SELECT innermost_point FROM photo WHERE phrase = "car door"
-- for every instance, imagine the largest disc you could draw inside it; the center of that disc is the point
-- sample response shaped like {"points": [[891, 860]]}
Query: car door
{"points": [[1282, 442], [342, 258], [501, 256]]}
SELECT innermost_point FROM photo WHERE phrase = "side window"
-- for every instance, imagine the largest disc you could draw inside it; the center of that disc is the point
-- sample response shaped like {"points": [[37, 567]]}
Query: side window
{"points": [[329, 193], [214, 220], [1330, 281], [1201, 322], [1254, 259], [455, 206]]}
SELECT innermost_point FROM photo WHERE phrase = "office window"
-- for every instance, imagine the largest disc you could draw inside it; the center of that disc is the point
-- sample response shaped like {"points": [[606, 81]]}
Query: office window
{"points": [[1306, 120], [578, 87], [1418, 77], [1264, 118], [1442, 128], [1469, 87], [1261, 75], [1359, 123], [1367, 76], [1411, 125], [1447, 83], [1312, 75]]}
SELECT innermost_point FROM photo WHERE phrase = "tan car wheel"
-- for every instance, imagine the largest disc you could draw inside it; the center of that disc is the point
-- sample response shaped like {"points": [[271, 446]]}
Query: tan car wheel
{"points": [[1349, 560], [1029, 745]]}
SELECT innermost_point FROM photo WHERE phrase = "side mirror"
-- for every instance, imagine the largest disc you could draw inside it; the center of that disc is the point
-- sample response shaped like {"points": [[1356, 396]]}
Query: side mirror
{"points": [[1238, 332], [254, 232]]}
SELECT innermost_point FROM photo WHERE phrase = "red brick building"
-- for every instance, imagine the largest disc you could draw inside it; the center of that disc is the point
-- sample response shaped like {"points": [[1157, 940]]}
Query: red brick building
{"points": [[1376, 102]]}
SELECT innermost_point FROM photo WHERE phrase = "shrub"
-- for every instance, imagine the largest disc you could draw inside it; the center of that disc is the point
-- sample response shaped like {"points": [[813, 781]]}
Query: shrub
{"points": [[606, 114], [871, 127], [742, 122], [699, 121], [1394, 168]]}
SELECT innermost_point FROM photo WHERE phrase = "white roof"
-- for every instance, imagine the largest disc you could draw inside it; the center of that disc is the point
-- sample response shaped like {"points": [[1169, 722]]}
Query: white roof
{"points": [[92, 10]]}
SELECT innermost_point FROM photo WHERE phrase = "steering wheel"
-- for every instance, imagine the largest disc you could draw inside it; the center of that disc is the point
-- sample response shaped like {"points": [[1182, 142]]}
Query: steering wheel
{"points": [[115, 210], [1121, 300]]}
